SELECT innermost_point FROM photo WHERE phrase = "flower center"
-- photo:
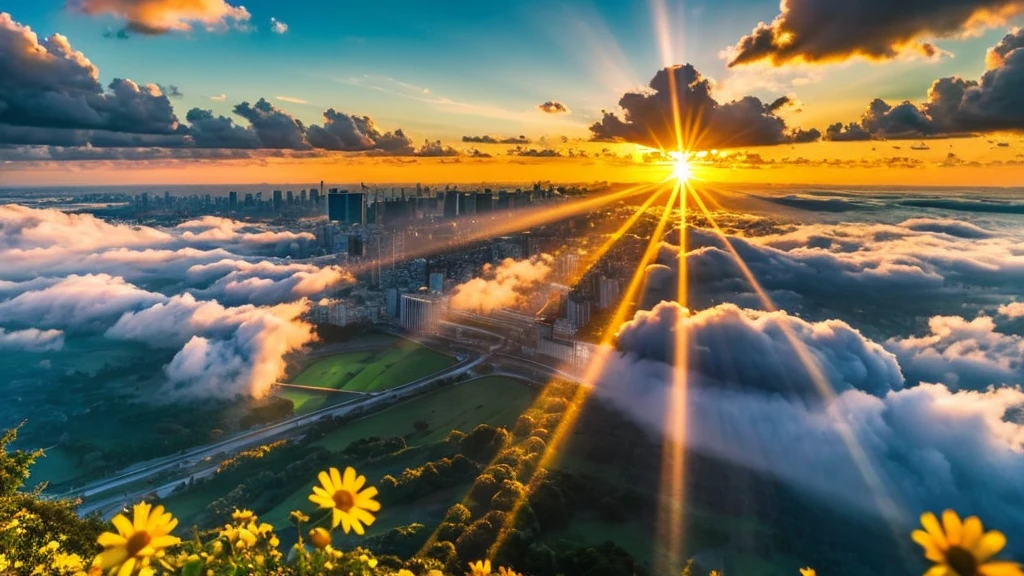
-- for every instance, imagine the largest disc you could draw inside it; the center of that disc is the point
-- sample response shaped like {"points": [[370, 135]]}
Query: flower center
{"points": [[961, 561], [137, 542], [344, 500]]}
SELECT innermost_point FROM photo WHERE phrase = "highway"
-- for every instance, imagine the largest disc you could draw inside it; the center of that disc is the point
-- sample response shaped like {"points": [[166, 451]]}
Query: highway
{"points": [[146, 470]]}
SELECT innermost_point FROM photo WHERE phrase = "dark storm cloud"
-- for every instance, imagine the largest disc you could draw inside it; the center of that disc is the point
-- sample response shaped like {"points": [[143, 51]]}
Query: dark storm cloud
{"points": [[274, 127], [833, 30], [553, 107], [488, 139], [45, 83], [347, 132], [954, 106], [209, 131], [649, 117], [171, 91]]}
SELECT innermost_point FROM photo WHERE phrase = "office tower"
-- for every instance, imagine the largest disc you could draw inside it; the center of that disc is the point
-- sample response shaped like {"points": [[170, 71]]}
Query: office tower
{"points": [[467, 203], [233, 199], [436, 283], [420, 313], [355, 245], [484, 202], [608, 292], [346, 207], [314, 197], [302, 196], [578, 312], [451, 204], [277, 200], [248, 199], [290, 197]]}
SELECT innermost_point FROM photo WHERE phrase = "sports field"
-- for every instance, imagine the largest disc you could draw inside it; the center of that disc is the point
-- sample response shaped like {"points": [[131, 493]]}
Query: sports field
{"points": [[374, 370], [495, 400]]}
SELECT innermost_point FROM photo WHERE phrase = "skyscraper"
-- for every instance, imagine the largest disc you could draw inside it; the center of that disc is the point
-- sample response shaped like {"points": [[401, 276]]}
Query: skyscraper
{"points": [[277, 200], [232, 199], [346, 207]]}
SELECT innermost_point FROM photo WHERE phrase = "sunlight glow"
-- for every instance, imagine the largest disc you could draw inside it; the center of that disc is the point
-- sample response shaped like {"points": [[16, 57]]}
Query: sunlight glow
{"points": [[681, 170]]}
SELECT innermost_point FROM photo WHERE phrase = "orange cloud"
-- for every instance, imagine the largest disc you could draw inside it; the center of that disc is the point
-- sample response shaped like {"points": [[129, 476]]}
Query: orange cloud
{"points": [[162, 16]]}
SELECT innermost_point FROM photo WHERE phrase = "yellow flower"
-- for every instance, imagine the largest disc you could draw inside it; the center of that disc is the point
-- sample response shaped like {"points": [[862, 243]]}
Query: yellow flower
{"points": [[808, 572], [298, 517], [320, 538], [502, 571], [404, 572], [962, 548], [240, 537], [351, 508], [479, 568], [137, 540], [242, 516], [328, 565], [371, 562]]}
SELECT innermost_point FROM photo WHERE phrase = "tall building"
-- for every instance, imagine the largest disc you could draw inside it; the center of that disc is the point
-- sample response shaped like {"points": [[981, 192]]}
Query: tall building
{"points": [[421, 312], [484, 202], [355, 245], [466, 204], [608, 292], [290, 197], [578, 312], [346, 207], [436, 284], [277, 200], [232, 199]]}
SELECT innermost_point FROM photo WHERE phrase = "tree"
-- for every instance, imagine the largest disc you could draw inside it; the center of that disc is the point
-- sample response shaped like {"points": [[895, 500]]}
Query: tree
{"points": [[14, 466]]}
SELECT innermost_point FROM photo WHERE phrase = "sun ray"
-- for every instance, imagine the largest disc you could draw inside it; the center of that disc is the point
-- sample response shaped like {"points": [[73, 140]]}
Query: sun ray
{"points": [[594, 369], [886, 505], [589, 263]]}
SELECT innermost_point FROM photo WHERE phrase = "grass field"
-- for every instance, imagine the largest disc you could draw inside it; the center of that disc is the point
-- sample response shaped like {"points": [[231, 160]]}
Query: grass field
{"points": [[306, 401], [374, 370], [495, 400]]}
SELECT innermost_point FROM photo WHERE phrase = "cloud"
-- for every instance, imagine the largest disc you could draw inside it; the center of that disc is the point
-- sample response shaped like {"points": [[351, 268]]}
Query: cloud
{"points": [[219, 98], [163, 16], [1012, 310], [205, 289], [47, 84], [835, 30], [31, 340], [954, 106], [209, 131], [342, 131], [435, 149], [963, 354], [171, 91], [649, 117], [553, 107], [274, 127], [930, 447], [730, 345], [502, 286], [278, 27], [488, 139], [291, 100]]}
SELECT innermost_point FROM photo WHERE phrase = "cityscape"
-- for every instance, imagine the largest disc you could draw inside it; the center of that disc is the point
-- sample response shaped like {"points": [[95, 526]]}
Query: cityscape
{"points": [[583, 287]]}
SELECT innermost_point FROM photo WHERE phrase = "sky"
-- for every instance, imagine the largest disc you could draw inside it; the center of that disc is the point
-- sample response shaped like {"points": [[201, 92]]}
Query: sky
{"points": [[542, 73]]}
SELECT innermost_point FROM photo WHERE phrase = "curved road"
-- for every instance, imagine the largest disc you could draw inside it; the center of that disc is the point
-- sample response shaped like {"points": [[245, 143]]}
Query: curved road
{"points": [[152, 468]]}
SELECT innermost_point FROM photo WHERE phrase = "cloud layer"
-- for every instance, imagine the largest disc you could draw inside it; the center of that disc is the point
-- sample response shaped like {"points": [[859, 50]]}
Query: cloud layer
{"points": [[704, 123], [213, 289], [954, 106], [832, 30], [162, 16]]}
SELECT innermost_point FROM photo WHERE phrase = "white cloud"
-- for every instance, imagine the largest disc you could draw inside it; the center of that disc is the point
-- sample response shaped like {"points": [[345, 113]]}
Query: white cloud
{"points": [[278, 27]]}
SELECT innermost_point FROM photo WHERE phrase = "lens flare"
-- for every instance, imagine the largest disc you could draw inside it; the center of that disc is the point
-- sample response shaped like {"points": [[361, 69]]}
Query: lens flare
{"points": [[681, 169]]}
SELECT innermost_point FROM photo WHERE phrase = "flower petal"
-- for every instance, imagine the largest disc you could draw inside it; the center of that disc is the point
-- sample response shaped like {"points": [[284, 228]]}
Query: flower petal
{"points": [[971, 533], [357, 527], [155, 518], [368, 493], [371, 505], [127, 567], [954, 527], [1000, 569], [123, 525], [336, 518], [363, 516], [325, 479], [321, 492], [931, 525], [931, 552], [336, 479], [349, 478], [359, 483], [141, 516], [112, 557], [108, 539], [940, 570], [989, 545], [164, 541], [346, 522], [322, 501]]}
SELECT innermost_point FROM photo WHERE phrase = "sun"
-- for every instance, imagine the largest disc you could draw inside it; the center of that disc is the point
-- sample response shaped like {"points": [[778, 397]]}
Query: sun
{"points": [[681, 169]]}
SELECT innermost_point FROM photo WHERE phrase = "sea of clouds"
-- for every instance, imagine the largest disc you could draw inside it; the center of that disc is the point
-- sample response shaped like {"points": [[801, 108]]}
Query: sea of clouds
{"points": [[222, 293]]}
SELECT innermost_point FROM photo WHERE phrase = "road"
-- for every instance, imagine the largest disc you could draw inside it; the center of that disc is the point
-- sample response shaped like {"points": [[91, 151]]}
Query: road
{"points": [[147, 470]]}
